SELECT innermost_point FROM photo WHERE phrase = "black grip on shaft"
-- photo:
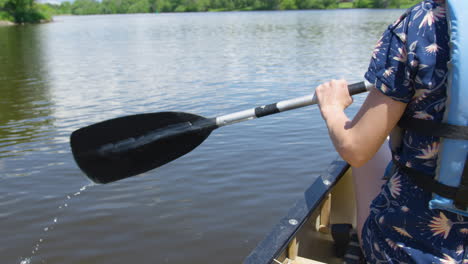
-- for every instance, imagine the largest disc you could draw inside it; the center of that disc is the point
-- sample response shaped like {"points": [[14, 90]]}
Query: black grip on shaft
{"points": [[266, 110], [357, 88]]}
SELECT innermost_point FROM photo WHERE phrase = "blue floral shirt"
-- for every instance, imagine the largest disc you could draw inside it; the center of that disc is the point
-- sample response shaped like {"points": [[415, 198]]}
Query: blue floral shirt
{"points": [[409, 64]]}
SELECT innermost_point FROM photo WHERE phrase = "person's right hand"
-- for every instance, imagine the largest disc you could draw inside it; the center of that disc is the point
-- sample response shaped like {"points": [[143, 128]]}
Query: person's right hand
{"points": [[333, 96]]}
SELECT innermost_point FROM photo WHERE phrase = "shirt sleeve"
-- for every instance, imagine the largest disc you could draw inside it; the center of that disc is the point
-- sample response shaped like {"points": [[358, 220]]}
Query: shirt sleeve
{"points": [[389, 69]]}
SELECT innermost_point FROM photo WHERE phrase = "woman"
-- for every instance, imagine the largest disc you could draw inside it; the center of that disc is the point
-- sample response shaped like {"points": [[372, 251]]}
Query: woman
{"points": [[409, 71]]}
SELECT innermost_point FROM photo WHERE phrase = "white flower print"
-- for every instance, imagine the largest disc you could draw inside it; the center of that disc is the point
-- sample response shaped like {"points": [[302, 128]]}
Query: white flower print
{"points": [[440, 225], [402, 36], [430, 151], [423, 66], [376, 247], [377, 48], [402, 231], [384, 88], [423, 115], [388, 71], [420, 94], [394, 185], [402, 56], [392, 244], [432, 49], [459, 250], [448, 260], [413, 46], [432, 16]]}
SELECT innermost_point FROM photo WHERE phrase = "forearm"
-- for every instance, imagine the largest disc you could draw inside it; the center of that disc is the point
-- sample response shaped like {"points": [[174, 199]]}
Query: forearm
{"points": [[345, 137]]}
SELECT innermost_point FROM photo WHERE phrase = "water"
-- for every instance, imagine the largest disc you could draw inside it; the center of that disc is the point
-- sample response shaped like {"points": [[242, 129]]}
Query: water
{"points": [[213, 204]]}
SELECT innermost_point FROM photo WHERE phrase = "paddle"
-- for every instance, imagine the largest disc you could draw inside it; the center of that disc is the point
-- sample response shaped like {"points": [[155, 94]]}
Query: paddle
{"points": [[126, 146]]}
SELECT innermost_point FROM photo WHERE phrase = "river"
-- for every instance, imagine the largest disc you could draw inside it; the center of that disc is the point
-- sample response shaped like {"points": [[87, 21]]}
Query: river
{"points": [[211, 205]]}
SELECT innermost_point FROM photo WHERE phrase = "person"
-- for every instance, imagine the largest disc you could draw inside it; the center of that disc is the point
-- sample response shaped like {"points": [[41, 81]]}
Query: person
{"points": [[408, 70]]}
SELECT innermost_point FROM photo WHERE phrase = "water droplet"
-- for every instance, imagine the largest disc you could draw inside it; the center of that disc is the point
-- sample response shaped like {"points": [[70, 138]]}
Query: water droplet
{"points": [[65, 205], [55, 220], [68, 197], [46, 229], [26, 261]]}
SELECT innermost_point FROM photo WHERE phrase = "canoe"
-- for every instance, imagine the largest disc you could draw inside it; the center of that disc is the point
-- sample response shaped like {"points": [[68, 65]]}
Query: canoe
{"points": [[317, 228], [304, 235]]}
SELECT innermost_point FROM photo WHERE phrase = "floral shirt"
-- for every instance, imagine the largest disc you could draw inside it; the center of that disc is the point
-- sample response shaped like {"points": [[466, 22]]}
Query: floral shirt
{"points": [[409, 64]]}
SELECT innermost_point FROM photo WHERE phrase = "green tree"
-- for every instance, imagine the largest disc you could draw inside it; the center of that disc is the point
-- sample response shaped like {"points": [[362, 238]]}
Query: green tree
{"points": [[287, 4], [395, 3], [141, 6], [362, 4], [109, 7], [311, 4], [379, 3], [330, 3], [65, 8], [86, 7], [22, 11], [160, 6]]}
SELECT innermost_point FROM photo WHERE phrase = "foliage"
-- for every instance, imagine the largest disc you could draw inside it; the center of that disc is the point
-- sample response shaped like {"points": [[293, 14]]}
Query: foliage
{"points": [[85, 7], [141, 6], [362, 4], [345, 5], [24, 11], [379, 3], [45, 10], [287, 5], [5, 16], [89, 7]]}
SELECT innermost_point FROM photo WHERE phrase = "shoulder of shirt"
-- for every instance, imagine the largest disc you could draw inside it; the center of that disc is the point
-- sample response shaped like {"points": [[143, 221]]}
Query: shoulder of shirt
{"points": [[415, 13]]}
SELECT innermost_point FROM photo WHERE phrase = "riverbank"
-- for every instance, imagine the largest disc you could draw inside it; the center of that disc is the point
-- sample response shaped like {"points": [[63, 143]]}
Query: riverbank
{"points": [[9, 23], [6, 23]]}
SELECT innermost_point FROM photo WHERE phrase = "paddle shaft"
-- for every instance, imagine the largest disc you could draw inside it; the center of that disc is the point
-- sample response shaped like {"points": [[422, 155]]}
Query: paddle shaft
{"points": [[281, 106], [213, 123]]}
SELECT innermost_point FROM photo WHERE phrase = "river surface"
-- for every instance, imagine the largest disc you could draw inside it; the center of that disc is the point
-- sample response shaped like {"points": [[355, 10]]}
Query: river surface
{"points": [[213, 204]]}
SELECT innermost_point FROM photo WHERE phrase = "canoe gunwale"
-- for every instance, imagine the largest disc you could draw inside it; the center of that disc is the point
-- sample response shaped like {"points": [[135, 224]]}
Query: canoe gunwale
{"points": [[284, 232]]}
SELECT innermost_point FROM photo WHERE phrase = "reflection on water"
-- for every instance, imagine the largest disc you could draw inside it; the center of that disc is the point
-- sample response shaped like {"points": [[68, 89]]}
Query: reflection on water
{"points": [[220, 199], [25, 103]]}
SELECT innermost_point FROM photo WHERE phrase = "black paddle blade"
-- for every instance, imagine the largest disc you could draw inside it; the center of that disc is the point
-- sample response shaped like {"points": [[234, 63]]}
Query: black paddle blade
{"points": [[126, 146]]}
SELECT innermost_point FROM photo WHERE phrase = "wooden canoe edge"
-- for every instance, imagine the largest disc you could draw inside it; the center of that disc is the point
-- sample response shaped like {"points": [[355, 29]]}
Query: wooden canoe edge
{"points": [[282, 234]]}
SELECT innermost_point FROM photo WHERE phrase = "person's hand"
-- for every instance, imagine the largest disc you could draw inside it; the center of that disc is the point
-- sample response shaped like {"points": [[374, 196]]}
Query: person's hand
{"points": [[333, 96]]}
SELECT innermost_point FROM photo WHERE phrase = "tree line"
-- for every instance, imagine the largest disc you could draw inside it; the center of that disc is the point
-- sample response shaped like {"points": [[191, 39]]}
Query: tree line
{"points": [[89, 7], [25, 11], [28, 11]]}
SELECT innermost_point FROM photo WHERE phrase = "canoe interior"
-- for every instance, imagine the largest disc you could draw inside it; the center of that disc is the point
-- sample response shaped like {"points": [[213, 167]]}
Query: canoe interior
{"points": [[303, 235]]}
